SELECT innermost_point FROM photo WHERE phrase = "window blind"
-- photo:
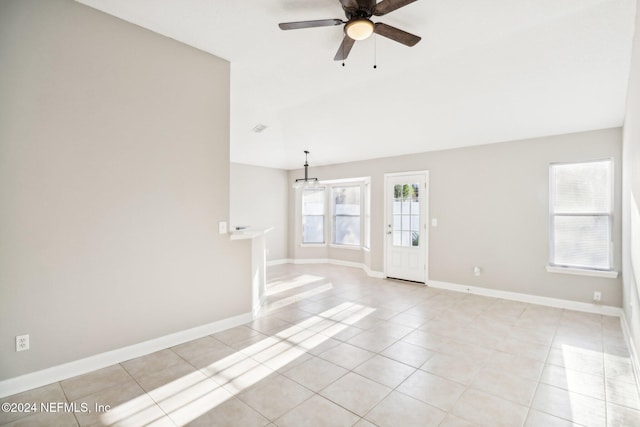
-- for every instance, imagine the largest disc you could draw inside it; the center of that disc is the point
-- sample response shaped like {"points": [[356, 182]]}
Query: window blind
{"points": [[581, 214]]}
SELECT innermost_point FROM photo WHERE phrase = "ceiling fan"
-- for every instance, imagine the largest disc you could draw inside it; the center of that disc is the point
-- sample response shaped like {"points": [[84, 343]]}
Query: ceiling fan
{"points": [[359, 26]]}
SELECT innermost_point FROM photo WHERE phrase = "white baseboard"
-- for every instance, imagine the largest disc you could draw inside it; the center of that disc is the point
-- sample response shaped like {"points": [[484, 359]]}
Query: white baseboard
{"points": [[373, 273], [514, 296], [78, 367], [278, 262], [531, 299], [632, 348], [257, 309], [365, 268], [310, 261]]}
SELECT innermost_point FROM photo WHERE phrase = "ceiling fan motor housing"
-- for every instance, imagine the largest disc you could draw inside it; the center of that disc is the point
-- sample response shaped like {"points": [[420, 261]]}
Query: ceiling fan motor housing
{"points": [[364, 9]]}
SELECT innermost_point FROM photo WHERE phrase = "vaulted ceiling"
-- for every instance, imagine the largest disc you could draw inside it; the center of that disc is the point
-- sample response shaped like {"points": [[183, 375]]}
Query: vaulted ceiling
{"points": [[485, 71]]}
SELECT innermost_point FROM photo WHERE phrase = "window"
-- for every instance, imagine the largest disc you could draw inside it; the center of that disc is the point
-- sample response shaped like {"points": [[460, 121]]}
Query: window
{"points": [[346, 215], [313, 215], [367, 215], [345, 202], [581, 205]]}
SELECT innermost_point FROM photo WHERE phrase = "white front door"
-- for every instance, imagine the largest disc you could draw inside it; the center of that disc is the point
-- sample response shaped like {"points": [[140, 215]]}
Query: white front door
{"points": [[406, 241]]}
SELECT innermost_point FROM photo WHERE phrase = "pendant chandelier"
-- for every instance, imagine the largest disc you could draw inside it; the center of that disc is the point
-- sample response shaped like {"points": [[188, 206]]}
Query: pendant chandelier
{"points": [[306, 181]]}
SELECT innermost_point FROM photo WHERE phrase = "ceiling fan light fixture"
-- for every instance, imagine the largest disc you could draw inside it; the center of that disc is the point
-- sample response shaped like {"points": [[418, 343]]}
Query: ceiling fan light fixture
{"points": [[359, 29]]}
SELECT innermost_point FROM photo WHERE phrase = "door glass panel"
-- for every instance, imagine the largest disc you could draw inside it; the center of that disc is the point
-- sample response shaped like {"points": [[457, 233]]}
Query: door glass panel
{"points": [[406, 225], [406, 215], [415, 206], [397, 222]]}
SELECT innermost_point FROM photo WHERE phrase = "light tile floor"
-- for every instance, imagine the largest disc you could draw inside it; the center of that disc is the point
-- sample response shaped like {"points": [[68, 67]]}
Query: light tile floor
{"points": [[333, 347]]}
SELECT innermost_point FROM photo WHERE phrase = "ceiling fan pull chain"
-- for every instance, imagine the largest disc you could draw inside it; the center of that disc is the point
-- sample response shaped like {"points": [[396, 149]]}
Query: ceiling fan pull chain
{"points": [[375, 52], [343, 58]]}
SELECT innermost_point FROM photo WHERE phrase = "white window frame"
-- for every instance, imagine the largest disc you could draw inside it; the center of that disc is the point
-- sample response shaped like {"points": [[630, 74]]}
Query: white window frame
{"points": [[573, 269], [329, 212]]}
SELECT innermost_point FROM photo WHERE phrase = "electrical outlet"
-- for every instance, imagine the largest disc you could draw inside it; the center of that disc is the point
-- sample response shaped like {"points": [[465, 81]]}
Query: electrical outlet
{"points": [[597, 296], [22, 342]]}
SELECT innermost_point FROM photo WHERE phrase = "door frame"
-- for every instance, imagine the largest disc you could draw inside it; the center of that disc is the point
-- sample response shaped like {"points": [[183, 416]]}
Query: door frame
{"points": [[387, 220]]}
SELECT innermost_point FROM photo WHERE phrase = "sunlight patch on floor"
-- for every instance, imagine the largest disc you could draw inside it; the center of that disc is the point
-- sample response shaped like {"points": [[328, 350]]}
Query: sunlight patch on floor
{"points": [[277, 305], [281, 286], [192, 395], [140, 411], [575, 359]]}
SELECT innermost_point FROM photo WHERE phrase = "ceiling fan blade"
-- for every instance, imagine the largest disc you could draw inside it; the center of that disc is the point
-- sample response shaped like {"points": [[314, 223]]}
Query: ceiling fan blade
{"points": [[310, 24], [396, 34], [386, 6], [344, 49]]}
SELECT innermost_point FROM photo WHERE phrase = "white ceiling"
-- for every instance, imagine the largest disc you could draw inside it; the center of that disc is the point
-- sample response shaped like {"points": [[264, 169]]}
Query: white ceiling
{"points": [[485, 71]]}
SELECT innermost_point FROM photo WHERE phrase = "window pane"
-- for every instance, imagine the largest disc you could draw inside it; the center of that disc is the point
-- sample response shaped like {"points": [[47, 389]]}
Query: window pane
{"points": [[397, 222], [347, 215], [313, 215], [582, 187], [313, 229], [347, 209], [582, 241], [416, 190], [347, 230], [405, 207], [347, 200], [397, 206], [415, 238], [406, 222], [313, 201], [415, 206]]}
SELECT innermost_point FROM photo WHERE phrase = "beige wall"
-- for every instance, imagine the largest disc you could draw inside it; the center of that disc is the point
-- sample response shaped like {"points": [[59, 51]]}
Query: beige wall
{"points": [[259, 198], [492, 207], [114, 171], [631, 196]]}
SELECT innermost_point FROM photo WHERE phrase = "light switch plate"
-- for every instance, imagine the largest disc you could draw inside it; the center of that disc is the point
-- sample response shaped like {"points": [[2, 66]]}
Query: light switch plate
{"points": [[222, 227]]}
